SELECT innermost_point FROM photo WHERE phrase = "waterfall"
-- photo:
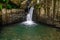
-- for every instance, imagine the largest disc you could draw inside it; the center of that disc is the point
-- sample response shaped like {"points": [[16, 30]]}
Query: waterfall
{"points": [[29, 15], [29, 18]]}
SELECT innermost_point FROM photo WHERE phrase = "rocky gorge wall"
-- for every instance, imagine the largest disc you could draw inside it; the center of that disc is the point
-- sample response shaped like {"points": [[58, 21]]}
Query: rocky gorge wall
{"points": [[47, 11], [13, 15]]}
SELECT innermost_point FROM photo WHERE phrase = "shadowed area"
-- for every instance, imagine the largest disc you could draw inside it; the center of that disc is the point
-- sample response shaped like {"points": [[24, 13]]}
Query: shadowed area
{"points": [[21, 32]]}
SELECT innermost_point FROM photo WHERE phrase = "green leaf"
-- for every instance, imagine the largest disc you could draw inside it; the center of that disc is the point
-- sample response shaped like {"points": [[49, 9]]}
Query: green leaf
{"points": [[9, 6], [0, 6], [4, 0], [38, 6]]}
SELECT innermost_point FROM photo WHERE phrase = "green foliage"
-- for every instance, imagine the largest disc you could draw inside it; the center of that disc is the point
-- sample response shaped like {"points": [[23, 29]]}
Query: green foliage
{"points": [[4, 1], [8, 3], [1, 7], [9, 6], [38, 6]]}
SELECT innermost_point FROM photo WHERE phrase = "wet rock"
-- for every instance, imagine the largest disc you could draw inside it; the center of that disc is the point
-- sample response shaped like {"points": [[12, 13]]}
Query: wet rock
{"points": [[12, 15]]}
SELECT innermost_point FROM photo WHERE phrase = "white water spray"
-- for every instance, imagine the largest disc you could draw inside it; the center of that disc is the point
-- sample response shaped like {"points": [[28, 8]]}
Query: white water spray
{"points": [[29, 18]]}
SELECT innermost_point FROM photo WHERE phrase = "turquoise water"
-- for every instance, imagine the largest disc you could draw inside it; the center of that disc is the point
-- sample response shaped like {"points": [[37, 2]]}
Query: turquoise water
{"points": [[21, 32]]}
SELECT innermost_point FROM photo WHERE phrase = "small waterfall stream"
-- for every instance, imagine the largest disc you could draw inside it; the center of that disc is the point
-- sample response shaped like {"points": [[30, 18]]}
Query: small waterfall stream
{"points": [[29, 15], [29, 18]]}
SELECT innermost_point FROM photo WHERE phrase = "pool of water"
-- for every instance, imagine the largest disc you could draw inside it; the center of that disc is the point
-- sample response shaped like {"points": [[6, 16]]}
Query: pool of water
{"points": [[21, 32]]}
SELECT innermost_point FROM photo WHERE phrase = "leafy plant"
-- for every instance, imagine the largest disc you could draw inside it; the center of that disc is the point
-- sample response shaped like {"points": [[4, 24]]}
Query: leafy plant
{"points": [[38, 6], [1, 7], [4, 1], [9, 6]]}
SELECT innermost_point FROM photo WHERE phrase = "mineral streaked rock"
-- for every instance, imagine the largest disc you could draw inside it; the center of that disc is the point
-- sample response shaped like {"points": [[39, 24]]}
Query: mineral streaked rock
{"points": [[0, 13], [24, 2], [10, 15], [3, 11]]}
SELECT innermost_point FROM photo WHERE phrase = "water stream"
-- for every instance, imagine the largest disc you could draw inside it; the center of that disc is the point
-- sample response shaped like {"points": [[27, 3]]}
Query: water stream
{"points": [[29, 18]]}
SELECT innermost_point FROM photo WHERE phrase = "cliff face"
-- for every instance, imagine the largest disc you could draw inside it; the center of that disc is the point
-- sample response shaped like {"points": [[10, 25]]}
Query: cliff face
{"points": [[48, 12], [12, 15]]}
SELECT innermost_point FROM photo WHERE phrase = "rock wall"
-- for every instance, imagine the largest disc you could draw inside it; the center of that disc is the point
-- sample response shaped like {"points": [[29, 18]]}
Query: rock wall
{"points": [[0, 18], [12, 15], [48, 12]]}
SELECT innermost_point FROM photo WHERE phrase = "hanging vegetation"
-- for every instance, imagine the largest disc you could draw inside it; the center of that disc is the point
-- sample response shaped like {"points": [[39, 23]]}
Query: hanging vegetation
{"points": [[0, 6]]}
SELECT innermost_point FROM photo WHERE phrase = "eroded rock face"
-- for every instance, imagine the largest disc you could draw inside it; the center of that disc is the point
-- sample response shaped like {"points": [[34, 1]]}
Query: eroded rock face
{"points": [[12, 15], [21, 3], [0, 18], [15, 1], [41, 16]]}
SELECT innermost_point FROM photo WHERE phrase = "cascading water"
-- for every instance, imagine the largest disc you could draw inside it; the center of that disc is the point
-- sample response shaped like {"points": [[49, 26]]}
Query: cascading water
{"points": [[29, 18]]}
